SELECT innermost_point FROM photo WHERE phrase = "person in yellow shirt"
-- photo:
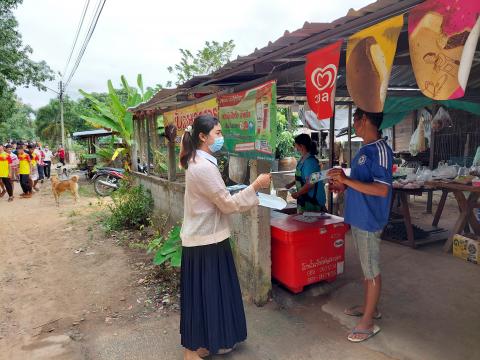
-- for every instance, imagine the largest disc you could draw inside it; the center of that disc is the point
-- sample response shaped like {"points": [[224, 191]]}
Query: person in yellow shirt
{"points": [[5, 161], [34, 160], [24, 170]]}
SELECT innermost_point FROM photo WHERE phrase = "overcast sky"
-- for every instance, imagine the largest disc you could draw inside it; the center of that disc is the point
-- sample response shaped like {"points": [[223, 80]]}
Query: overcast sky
{"points": [[144, 36]]}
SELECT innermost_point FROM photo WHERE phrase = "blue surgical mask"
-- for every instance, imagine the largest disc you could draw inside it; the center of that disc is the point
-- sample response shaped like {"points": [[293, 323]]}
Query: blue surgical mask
{"points": [[217, 145]]}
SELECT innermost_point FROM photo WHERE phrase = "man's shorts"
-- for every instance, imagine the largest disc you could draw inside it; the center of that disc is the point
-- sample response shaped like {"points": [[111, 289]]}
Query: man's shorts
{"points": [[368, 246]]}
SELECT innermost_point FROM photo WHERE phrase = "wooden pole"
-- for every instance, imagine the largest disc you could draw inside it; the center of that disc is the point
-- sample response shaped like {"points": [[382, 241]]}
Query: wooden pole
{"points": [[172, 163], [149, 150], [431, 165]]}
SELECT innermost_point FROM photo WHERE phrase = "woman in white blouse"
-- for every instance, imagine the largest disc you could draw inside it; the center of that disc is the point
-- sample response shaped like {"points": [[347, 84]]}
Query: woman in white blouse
{"points": [[212, 316]]}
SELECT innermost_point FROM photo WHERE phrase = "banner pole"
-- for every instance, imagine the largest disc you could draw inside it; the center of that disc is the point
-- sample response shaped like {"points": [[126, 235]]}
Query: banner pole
{"points": [[332, 155]]}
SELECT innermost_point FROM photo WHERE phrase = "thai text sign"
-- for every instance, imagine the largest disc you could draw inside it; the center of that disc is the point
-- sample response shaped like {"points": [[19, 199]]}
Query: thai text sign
{"points": [[184, 117], [249, 121]]}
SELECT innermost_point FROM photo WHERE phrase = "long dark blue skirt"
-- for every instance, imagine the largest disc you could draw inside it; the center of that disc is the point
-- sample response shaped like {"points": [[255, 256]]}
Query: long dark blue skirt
{"points": [[212, 314]]}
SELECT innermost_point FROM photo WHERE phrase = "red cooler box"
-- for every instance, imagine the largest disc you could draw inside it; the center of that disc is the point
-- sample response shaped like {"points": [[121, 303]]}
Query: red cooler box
{"points": [[305, 253]]}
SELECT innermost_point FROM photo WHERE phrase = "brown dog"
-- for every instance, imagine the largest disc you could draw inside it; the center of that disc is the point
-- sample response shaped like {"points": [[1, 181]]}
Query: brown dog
{"points": [[61, 186]]}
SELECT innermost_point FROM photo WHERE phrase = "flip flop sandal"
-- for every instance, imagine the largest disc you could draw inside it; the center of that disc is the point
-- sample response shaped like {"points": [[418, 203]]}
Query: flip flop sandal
{"points": [[358, 313], [370, 333]]}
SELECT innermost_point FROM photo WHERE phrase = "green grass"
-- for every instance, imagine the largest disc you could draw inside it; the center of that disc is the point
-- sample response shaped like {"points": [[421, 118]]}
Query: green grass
{"points": [[87, 190]]}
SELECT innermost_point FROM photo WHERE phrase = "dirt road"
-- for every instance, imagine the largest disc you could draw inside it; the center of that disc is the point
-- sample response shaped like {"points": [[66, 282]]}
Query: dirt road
{"points": [[59, 277]]}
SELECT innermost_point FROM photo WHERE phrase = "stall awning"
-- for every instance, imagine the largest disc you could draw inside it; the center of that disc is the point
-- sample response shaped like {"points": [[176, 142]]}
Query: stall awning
{"points": [[396, 108]]}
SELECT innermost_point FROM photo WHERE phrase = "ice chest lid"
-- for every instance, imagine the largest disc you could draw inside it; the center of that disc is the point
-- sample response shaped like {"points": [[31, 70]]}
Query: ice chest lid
{"points": [[287, 223]]}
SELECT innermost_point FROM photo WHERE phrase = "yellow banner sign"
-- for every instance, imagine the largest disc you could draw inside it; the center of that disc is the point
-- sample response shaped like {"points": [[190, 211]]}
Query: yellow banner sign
{"points": [[184, 117], [370, 54]]}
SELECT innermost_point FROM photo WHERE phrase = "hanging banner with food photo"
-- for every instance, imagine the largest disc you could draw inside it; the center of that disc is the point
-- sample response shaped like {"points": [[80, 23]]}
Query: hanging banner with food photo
{"points": [[249, 121], [443, 36], [370, 54], [183, 117], [321, 71]]}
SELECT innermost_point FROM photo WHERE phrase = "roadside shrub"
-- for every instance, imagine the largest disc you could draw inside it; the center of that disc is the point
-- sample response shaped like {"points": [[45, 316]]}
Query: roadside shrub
{"points": [[131, 209], [167, 250]]}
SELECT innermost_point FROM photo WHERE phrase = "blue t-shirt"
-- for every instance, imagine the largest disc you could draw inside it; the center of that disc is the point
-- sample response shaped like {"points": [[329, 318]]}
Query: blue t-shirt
{"points": [[373, 163], [307, 168]]}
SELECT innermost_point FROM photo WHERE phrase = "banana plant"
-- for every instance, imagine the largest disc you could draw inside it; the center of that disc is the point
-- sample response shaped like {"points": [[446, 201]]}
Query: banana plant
{"points": [[113, 114]]}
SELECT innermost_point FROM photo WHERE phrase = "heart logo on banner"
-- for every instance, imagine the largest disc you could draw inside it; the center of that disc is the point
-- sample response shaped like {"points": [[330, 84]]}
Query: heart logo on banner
{"points": [[319, 74]]}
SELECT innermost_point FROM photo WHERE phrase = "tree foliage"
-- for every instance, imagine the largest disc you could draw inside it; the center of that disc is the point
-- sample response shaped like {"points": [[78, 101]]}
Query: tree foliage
{"points": [[47, 123], [16, 67], [207, 60], [19, 125], [112, 112]]}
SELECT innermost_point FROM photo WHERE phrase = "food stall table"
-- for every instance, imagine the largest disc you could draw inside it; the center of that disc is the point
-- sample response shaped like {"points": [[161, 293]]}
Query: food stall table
{"points": [[466, 206], [402, 194], [306, 250]]}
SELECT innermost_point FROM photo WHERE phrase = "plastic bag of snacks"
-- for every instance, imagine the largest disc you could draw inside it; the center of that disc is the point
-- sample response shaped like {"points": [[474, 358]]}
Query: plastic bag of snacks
{"points": [[441, 120]]}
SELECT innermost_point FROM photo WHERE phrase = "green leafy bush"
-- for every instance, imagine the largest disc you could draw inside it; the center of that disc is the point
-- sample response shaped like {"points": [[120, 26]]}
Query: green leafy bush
{"points": [[167, 249], [131, 209], [285, 139]]}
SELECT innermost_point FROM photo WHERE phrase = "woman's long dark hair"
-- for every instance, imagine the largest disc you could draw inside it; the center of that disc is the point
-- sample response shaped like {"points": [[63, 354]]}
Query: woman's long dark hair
{"points": [[305, 140], [191, 140]]}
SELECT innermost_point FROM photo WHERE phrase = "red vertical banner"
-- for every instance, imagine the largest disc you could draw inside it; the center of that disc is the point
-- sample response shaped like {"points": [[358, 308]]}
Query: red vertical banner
{"points": [[321, 77]]}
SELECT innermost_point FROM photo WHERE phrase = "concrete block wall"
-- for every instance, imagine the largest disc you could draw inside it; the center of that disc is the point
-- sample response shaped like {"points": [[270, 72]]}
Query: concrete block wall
{"points": [[250, 236]]}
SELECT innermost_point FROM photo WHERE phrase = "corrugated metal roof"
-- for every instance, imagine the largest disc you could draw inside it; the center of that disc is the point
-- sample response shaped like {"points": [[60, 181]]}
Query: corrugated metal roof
{"points": [[363, 17], [159, 97], [87, 133]]}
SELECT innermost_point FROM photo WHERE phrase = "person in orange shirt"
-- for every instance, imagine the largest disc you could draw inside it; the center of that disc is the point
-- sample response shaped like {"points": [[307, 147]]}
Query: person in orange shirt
{"points": [[24, 170], [5, 161]]}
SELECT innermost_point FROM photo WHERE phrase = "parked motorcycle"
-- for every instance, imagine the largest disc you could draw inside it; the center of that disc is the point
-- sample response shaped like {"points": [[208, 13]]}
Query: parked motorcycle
{"points": [[107, 180]]}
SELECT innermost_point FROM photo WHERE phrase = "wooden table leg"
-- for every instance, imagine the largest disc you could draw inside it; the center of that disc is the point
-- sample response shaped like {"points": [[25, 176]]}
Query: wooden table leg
{"points": [[461, 220], [440, 207], [472, 219], [408, 220]]}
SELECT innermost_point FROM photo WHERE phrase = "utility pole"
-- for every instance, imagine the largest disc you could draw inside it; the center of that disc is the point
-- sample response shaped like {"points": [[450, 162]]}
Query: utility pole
{"points": [[61, 115]]}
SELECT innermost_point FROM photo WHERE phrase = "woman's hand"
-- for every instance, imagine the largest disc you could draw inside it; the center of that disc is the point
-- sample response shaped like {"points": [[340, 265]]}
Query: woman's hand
{"points": [[262, 182], [295, 195]]}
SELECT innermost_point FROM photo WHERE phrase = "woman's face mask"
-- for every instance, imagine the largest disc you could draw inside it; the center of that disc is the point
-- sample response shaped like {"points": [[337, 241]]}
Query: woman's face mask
{"points": [[217, 144], [218, 139]]}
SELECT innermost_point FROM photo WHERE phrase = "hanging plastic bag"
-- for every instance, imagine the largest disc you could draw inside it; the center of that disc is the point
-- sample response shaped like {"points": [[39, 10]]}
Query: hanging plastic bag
{"points": [[414, 143], [441, 120], [476, 159], [427, 123], [417, 142]]}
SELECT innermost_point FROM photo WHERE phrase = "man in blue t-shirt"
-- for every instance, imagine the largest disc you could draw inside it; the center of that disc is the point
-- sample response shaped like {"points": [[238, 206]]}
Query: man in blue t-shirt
{"points": [[367, 207]]}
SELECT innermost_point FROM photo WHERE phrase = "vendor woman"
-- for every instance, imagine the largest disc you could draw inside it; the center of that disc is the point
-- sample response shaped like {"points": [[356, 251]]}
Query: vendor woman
{"points": [[310, 197]]}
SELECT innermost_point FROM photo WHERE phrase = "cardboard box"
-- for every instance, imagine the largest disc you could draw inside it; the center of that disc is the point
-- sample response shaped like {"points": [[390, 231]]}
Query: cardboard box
{"points": [[467, 247]]}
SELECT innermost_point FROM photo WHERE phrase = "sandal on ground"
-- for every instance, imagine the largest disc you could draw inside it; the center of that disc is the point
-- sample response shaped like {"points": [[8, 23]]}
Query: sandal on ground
{"points": [[353, 311], [10, 199], [368, 332], [224, 351], [3, 193]]}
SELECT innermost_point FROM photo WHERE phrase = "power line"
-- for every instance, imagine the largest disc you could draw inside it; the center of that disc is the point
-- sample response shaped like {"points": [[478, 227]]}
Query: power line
{"points": [[86, 40], [93, 25], [55, 91], [80, 25]]}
